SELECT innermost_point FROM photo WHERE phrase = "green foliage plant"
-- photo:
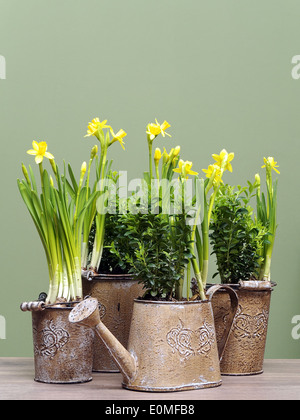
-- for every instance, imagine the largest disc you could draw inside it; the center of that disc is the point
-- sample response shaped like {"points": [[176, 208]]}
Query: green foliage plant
{"points": [[237, 238], [267, 214], [96, 217], [156, 231], [205, 194], [58, 213]]}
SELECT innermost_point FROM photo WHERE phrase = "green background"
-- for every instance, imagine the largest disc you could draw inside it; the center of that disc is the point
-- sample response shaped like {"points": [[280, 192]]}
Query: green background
{"points": [[219, 71]]}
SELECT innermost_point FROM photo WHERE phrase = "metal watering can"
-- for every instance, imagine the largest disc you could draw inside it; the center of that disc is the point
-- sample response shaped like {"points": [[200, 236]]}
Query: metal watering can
{"points": [[172, 345]]}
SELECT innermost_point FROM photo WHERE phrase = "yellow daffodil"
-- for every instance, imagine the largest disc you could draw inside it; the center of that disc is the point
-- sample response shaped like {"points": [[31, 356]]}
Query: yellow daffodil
{"points": [[40, 151], [271, 163], [213, 171], [94, 126], [118, 137], [224, 157], [153, 130], [184, 168], [157, 154]]}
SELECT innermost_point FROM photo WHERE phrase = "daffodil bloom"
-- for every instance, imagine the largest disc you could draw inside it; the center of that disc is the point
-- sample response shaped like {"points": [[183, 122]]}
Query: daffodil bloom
{"points": [[213, 171], [184, 168], [153, 130], [271, 163], [118, 137], [40, 151], [224, 157], [94, 126]]}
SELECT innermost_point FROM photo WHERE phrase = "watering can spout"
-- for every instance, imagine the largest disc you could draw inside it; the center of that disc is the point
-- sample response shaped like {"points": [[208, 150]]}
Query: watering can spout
{"points": [[87, 313]]}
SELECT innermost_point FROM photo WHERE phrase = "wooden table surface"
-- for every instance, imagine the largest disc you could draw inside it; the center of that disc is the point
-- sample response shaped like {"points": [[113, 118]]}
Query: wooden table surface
{"points": [[280, 381]]}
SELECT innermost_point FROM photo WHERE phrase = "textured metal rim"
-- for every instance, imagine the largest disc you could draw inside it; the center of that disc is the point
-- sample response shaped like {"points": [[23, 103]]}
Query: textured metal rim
{"points": [[243, 374], [237, 286], [108, 277], [63, 382], [189, 387], [169, 302]]}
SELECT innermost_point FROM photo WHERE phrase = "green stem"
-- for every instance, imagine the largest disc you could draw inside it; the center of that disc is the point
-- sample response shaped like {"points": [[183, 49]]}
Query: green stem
{"points": [[188, 280], [100, 219], [211, 203], [150, 159]]}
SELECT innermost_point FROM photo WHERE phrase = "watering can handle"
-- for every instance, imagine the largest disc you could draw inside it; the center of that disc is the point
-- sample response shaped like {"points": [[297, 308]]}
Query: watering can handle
{"points": [[233, 310]]}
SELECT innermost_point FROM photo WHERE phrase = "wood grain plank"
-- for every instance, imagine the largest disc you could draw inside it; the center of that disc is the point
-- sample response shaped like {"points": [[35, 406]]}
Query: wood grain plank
{"points": [[280, 381]]}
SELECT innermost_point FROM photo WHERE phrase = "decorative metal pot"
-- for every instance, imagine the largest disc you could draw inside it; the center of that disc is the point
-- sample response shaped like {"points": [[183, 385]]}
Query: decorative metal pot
{"points": [[115, 294], [244, 353], [63, 354], [172, 345]]}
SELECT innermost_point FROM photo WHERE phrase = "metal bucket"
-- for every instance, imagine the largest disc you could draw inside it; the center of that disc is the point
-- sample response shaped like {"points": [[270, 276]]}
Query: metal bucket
{"points": [[63, 352], [245, 350], [115, 294]]}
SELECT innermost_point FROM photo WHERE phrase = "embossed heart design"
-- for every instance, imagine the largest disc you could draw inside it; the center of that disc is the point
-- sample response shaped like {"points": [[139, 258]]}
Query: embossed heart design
{"points": [[190, 343]]}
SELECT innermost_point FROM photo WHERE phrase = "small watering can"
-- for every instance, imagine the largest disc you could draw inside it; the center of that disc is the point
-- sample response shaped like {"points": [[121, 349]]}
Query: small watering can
{"points": [[172, 345]]}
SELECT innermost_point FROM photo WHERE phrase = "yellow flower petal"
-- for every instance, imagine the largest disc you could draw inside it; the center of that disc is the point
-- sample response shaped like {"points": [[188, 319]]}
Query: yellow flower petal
{"points": [[118, 137], [95, 125], [32, 152], [270, 162], [38, 159], [35, 146], [40, 151], [192, 173], [153, 130], [185, 168], [220, 159], [48, 155]]}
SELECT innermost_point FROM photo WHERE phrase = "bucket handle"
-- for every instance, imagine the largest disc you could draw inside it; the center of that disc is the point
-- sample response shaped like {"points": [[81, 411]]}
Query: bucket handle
{"points": [[233, 310]]}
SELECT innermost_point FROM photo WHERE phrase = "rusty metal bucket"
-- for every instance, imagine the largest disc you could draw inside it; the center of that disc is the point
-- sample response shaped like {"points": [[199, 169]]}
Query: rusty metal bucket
{"points": [[172, 345], [63, 353], [244, 353], [115, 294]]}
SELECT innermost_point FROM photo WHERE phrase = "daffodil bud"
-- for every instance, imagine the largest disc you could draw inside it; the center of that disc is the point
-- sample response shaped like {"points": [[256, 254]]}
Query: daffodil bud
{"points": [[171, 154], [53, 164], [157, 154], [25, 172], [94, 151], [176, 151], [166, 157], [257, 179], [51, 181], [83, 168]]}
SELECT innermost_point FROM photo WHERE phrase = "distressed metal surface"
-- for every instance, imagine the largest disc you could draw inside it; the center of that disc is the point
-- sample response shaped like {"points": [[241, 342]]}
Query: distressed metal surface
{"points": [[115, 294], [63, 352], [244, 353], [172, 345]]}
